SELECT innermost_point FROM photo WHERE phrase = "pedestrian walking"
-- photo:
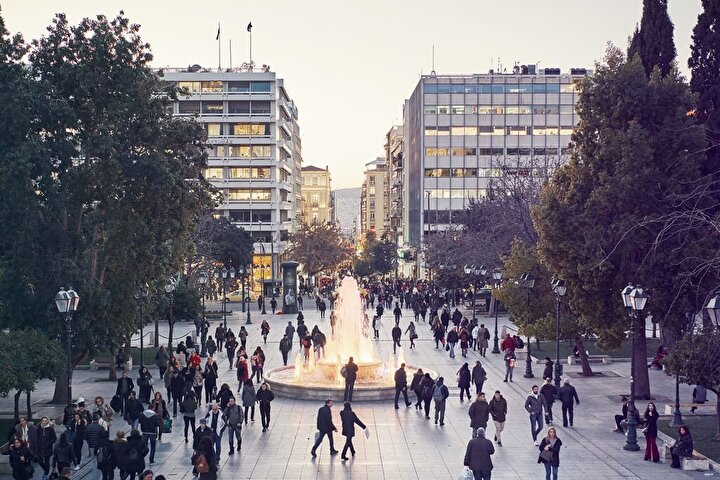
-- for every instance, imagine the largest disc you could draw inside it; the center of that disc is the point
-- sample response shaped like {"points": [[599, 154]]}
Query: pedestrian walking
{"points": [[210, 375], [452, 339], [106, 456], [188, 407], [159, 406], [548, 371], [463, 379], [137, 450], [415, 386], [198, 383], [265, 330], [412, 334], [144, 382], [233, 416], [550, 454], [273, 304], [651, 432], [549, 391], [325, 426], [482, 338], [440, 395], [349, 419], [264, 396], [426, 387], [149, 422], [125, 385], [205, 463], [285, 347], [248, 399], [401, 385], [349, 371], [398, 313], [63, 455], [215, 421], [534, 405], [479, 375], [477, 456], [479, 412], [20, 460], [509, 364], [567, 394], [498, 412], [396, 333], [220, 336], [161, 360]]}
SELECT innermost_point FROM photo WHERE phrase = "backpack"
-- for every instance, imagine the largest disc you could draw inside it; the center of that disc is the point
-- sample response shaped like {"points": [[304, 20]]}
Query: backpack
{"points": [[133, 455], [487, 334], [437, 393], [201, 464], [519, 343], [102, 455]]}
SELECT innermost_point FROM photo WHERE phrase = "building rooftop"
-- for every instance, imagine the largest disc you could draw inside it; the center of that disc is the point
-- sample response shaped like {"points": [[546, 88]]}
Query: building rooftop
{"points": [[312, 168]]}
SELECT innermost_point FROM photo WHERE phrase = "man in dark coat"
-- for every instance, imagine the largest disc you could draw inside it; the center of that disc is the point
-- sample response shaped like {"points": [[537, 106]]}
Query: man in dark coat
{"points": [[396, 333], [401, 385], [548, 372], [351, 370], [125, 385], [566, 395], [498, 412], [398, 313], [133, 409], [477, 456], [479, 413], [548, 391], [349, 419], [325, 426], [285, 347], [478, 377]]}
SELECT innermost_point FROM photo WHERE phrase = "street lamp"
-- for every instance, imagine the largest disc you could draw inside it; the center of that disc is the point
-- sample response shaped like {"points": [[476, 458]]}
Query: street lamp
{"points": [[527, 280], [713, 309], [244, 272], [634, 299], [67, 303], [497, 278], [224, 274], [170, 290], [203, 278], [559, 289], [140, 295], [474, 272]]}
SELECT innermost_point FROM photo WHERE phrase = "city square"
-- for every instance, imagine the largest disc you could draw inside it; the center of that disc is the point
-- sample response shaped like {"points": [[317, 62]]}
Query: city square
{"points": [[234, 250]]}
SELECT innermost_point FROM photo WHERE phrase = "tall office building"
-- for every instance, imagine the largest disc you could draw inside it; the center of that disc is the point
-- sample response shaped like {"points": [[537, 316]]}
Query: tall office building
{"points": [[255, 156], [462, 131], [316, 193], [373, 199]]}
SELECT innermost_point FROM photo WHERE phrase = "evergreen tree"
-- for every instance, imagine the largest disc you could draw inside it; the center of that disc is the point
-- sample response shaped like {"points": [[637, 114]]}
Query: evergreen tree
{"points": [[595, 219], [704, 63], [653, 41]]}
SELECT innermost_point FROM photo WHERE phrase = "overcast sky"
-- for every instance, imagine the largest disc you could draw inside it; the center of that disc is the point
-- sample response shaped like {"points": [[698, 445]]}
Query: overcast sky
{"points": [[349, 65]]}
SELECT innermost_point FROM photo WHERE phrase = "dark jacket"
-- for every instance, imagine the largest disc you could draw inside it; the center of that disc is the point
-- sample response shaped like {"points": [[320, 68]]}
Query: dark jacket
{"points": [[264, 397], [201, 433], [651, 420], [223, 397], [120, 453], [63, 454], [189, 406], [45, 439], [548, 372], [133, 409], [324, 420], [349, 419], [248, 395], [92, 434], [396, 333], [137, 449], [351, 370], [477, 454], [416, 381], [400, 377], [567, 393], [548, 391], [452, 336], [535, 405], [124, 386], [683, 446], [464, 378], [149, 422], [426, 388], [555, 449], [498, 409], [19, 458], [479, 412], [111, 461], [478, 374]]}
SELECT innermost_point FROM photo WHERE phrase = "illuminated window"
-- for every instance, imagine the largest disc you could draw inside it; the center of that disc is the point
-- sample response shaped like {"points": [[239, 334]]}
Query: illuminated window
{"points": [[251, 129], [437, 172], [436, 152], [463, 130], [213, 129], [213, 173], [459, 151], [488, 110], [212, 108], [189, 86], [212, 86], [464, 172], [568, 87]]}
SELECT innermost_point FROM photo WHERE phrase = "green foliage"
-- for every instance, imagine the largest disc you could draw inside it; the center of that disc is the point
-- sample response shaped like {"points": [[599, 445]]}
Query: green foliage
{"points": [[318, 247], [28, 356], [102, 184], [378, 256], [218, 240], [653, 41]]}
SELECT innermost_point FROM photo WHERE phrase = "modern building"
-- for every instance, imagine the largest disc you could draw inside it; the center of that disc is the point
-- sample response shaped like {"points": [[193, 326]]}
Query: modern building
{"points": [[255, 155], [462, 131], [316, 194], [374, 199]]}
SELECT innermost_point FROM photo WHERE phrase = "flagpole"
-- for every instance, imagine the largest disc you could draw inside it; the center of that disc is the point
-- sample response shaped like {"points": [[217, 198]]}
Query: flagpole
{"points": [[219, 42], [230, 54], [251, 46]]}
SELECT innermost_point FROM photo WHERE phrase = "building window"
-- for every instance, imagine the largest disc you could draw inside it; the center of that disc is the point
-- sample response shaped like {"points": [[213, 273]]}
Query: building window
{"points": [[260, 108], [260, 87], [213, 129], [189, 86], [251, 129], [464, 172], [436, 152], [315, 200], [490, 151], [212, 86], [188, 108], [212, 108], [262, 173], [371, 190], [315, 181], [213, 173], [239, 108], [239, 87], [459, 151], [437, 172]]}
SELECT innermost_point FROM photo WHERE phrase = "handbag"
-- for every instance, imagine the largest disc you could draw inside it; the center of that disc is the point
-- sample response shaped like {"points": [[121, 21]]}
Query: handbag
{"points": [[466, 474], [546, 455]]}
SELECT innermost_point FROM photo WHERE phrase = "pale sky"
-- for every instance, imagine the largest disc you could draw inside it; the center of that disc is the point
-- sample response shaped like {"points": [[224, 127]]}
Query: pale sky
{"points": [[349, 65]]}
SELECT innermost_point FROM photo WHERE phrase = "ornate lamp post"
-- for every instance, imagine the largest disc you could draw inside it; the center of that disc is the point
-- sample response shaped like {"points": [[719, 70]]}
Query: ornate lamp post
{"points": [[225, 274], [559, 289], [67, 303], [497, 278], [634, 299], [713, 309], [527, 280], [202, 279], [170, 290], [476, 274], [244, 272]]}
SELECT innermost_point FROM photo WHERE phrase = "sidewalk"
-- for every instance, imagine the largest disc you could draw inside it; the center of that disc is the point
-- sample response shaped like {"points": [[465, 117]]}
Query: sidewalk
{"points": [[402, 443]]}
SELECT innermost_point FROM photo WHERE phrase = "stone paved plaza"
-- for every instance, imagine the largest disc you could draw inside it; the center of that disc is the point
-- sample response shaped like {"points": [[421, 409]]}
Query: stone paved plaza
{"points": [[402, 444]]}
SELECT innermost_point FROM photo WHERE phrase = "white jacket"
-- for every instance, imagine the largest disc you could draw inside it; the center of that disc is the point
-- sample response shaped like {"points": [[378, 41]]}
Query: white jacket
{"points": [[220, 421]]}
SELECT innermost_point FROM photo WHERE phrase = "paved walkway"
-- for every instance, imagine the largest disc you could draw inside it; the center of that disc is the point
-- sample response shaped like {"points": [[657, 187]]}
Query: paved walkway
{"points": [[402, 443]]}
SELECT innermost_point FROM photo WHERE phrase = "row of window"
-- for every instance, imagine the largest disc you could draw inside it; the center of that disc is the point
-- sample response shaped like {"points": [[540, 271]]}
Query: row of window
{"points": [[484, 172], [219, 86], [244, 194], [248, 216], [465, 151], [239, 172], [500, 88], [237, 129], [241, 151], [194, 107], [496, 130], [498, 109], [444, 193]]}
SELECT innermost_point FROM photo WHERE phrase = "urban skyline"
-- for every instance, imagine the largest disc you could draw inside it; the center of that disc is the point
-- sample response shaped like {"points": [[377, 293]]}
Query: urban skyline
{"points": [[367, 39]]}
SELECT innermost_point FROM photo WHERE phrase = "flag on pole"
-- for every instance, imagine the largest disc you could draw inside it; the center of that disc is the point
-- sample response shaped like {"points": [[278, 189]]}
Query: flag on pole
{"points": [[249, 27], [217, 37]]}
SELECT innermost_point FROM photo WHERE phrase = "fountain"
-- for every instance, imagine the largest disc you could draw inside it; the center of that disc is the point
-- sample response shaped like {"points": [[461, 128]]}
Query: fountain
{"points": [[319, 379]]}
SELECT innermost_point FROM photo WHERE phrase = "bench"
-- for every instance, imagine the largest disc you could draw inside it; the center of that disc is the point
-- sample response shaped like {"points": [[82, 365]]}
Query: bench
{"points": [[107, 362], [604, 359], [5, 468], [695, 463], [670, 408]]}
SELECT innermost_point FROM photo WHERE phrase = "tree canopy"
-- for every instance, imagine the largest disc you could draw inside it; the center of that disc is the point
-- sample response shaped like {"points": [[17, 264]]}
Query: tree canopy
{"points": [[653, 40], [318, 247]]}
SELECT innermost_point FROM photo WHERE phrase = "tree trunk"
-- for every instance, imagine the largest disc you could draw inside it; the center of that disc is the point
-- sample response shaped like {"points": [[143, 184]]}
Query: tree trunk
{"points": [[171, 330], [654, 331], [584, 363], [29, 406], [60, 392], [642, 378], [16, 397], [113, 369], [537, 344], [717, 417]]}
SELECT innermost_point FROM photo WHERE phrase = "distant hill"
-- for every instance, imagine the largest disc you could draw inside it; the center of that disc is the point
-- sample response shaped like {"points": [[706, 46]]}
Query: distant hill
{"points": [[347, 208]]}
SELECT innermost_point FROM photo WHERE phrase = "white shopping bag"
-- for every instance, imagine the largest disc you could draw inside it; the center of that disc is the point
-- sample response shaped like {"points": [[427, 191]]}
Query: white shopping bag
{"points": [[466, 474], [367, 433], [317, 436]]}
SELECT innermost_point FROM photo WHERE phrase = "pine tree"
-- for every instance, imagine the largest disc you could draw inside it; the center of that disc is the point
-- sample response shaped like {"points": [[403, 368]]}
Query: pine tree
{"points": [[704, 63], [653, 41]]}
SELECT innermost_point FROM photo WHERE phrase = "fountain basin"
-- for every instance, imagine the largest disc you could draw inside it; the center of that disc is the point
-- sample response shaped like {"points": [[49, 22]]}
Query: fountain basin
{"points": [[282, 382], [368, 370]]}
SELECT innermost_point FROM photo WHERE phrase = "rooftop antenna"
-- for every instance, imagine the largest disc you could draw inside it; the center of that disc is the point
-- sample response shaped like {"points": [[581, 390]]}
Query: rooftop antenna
{"points": [[432, 72], [249, 29], [230, 41], [217, 37]]}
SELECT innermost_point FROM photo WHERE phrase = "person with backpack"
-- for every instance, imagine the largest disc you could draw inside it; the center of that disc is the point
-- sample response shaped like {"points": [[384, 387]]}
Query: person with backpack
{"points": [[440, 395], [105, 456], [285, 347], [426, 388], [149, 427], [233, 416], [187, 409], [205, 462], [136, 452], [63, 455]]}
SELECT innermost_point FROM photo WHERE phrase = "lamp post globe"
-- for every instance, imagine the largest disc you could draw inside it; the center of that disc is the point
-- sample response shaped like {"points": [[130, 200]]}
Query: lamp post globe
{"points": [[635, 301], [713, 309]]}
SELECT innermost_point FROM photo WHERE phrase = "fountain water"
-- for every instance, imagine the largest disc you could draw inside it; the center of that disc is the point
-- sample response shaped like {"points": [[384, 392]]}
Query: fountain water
{"points": [[321, 378]]}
